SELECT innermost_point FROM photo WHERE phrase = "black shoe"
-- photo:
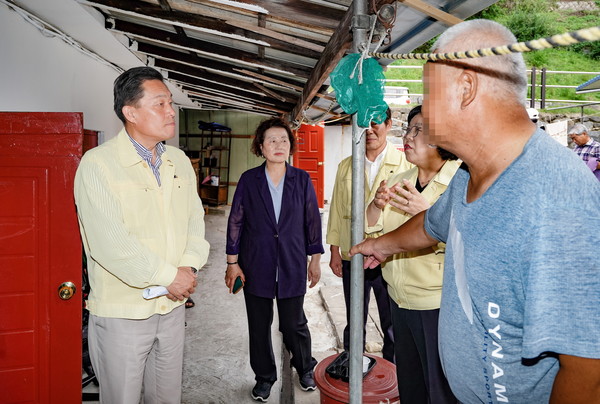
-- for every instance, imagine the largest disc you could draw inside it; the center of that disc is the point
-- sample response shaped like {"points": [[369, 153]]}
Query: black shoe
{"points": [[189, 303], [261, 391], [307, 381]]}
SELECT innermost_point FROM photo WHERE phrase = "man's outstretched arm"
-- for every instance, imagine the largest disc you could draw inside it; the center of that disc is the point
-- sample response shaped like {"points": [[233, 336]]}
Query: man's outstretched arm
{"points": [[410, 236]]}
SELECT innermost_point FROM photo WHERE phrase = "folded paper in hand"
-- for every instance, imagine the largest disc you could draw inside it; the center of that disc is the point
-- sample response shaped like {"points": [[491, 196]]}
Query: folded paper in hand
{"points": [[154, 291]]}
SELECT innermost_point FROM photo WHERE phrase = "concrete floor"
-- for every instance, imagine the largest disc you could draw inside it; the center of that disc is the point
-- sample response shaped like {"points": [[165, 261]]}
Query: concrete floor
{"points": [[216, 364]]}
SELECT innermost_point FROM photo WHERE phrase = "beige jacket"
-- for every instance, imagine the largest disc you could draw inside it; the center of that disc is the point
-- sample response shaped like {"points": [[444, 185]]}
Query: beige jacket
{"points": [[135, 233], [338, 225], [415, 278]]}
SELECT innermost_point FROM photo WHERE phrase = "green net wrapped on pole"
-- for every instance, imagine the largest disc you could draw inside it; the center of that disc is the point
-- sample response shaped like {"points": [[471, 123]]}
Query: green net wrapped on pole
{"points": [[362, 97]]}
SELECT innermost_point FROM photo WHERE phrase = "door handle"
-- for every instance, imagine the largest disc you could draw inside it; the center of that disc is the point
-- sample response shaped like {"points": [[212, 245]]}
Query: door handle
{"points": [[66, 290], [319, 163]]}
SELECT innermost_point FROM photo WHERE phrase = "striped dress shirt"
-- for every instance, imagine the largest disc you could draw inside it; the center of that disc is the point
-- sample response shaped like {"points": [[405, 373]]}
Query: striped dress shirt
{"points": [[146, 155]]}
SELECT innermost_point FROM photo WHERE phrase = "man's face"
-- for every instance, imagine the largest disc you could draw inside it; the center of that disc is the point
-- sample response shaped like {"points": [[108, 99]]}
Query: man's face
{"points": [[579, 139], [153, 115], [377, 136], [436, 103]]}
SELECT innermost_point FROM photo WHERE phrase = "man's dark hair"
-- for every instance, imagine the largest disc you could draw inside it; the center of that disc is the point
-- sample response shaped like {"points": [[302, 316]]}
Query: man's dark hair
{"points": [[259, 135], [388, 115], [444, 154], [128, 89]]}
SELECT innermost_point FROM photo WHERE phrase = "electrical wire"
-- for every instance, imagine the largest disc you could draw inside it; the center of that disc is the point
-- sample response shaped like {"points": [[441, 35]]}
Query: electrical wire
{"points": [[50, 31]]}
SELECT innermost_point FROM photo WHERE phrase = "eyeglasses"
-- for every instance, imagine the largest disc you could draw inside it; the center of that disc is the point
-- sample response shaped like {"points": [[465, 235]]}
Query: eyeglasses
{"points": [[413, 131]]}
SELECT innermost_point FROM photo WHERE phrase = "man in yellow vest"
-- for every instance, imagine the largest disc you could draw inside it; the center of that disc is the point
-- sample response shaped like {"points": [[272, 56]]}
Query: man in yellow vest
{"points": [[382, 160]]}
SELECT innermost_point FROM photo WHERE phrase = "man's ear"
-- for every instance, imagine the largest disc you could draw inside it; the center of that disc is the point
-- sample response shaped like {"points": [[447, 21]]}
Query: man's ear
{"points": [[129, 113], [469, 82]]}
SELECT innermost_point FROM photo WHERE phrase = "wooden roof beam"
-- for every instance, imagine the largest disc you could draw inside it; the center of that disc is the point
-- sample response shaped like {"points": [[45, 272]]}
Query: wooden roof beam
{"points": [[294, 13], [432, 11], [281, 83], [274, 34], [205, 50], [272, 93], [255, 97], [208, 25], [335, 49]]}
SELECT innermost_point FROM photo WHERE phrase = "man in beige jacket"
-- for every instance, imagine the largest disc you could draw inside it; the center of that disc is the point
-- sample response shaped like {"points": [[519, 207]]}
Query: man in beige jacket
{"points": [[142, 225], [382, 160]]}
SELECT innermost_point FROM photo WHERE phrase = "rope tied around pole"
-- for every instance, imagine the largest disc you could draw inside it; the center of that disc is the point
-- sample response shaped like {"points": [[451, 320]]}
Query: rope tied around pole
{"points": [[365, 53], [554, 41]]}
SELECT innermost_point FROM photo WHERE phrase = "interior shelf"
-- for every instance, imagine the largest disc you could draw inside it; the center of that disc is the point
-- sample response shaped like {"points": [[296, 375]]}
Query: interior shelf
{"points": [[212, 161]]}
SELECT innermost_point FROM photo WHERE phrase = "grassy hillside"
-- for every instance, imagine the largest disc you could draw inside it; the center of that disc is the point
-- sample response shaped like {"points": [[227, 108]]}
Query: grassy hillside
{"points": [[532, 19]]}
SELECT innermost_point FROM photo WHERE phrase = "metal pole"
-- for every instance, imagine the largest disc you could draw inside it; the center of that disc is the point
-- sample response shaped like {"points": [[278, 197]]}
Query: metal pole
{"points": [[532, 103], [360, 24], [543, 94]]}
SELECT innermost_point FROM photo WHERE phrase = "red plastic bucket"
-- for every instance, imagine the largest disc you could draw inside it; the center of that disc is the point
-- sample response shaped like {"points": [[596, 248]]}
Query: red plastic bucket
{"points": [[379, 385]]}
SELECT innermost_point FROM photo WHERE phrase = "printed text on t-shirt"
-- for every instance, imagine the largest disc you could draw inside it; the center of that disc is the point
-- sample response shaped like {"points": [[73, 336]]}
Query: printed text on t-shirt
{"points": [[494, 335]]}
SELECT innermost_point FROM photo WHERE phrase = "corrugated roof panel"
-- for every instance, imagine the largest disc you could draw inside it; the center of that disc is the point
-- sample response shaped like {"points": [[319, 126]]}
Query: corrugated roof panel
{"points": [[589, 86]]}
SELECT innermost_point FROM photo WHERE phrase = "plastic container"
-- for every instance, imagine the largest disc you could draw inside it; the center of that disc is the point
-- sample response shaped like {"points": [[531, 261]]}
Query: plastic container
{"points": [[379, 385], [339, 368]]}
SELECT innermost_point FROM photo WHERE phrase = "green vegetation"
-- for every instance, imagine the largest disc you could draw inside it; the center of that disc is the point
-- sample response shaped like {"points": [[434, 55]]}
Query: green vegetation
{"points": [[533, 19], [406, 74]]}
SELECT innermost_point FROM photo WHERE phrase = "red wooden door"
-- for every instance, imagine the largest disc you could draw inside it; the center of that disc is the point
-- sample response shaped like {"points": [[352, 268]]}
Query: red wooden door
{"points": [[40, 248], [90, 139], [309, 156]]}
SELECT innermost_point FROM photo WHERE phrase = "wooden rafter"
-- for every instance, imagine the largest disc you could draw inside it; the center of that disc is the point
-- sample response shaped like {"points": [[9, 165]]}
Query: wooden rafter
{"points": [[166, 38], [275, 53], [333, 52], [181, 20], [304, 14], [283, 37], [431, 11], [254, 97], [281, 83], [272, 93]]}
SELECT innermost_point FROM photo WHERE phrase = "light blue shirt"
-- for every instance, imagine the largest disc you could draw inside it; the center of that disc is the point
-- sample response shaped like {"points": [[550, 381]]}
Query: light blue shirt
{"points": [[521, 275], [276, 193]]}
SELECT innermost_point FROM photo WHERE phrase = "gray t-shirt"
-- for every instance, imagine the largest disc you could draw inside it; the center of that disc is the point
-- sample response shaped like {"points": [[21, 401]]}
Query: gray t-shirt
{"points": [[522, 280]]}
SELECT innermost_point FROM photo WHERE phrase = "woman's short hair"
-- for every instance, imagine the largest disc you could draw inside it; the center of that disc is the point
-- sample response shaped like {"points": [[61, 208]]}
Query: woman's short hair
{"points": [[444, 154], [259, 135], [412, 113]]}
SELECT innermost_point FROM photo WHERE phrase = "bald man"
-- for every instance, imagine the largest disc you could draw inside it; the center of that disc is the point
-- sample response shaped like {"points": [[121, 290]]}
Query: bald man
{"points": [[519, 318]]}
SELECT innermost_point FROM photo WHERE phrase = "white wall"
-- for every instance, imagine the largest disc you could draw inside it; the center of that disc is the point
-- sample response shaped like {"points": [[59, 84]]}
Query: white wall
{"points": [[41, 74], [45, 74], [338, 145]]}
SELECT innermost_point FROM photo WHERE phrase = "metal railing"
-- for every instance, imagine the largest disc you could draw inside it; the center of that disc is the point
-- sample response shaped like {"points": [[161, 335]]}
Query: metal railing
{"points": [[533, 86], [575, 106]]}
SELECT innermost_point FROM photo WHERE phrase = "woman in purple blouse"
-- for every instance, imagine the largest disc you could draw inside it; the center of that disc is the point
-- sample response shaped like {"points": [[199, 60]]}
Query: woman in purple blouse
{"points": [[273, 226]]}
